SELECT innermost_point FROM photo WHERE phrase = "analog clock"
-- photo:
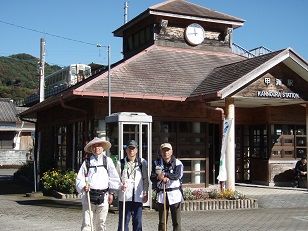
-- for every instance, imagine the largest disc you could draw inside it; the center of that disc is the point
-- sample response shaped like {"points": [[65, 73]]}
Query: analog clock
{"points": [[194, 34]]}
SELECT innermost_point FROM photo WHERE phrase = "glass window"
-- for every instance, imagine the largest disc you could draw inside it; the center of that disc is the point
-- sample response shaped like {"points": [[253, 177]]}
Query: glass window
{"points": [[6, 140], [258, 145], [73, 70], [189, 144], [60, 155], [288, 141]]}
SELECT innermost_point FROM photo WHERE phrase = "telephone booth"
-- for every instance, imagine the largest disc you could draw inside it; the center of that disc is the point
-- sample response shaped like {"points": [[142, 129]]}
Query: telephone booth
{"points": [[125, 126]]}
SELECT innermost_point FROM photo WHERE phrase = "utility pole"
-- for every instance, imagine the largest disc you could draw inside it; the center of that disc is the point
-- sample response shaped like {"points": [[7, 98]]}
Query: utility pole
{"points": [[125, 11], [108, 74], [109, 81], [42, 69]]}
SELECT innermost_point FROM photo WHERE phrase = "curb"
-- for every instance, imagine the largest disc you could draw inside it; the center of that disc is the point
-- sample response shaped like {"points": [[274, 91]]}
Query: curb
{"points": [[219, 205]]}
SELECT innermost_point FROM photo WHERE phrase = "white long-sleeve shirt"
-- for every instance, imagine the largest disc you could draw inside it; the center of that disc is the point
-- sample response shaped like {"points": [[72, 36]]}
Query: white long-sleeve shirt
{"points": [[98, 177]]}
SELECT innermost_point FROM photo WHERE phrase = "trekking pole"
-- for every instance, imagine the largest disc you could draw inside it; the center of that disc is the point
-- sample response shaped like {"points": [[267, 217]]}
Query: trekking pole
{"points": [[90, 210], [165, 209], [123, 213]]}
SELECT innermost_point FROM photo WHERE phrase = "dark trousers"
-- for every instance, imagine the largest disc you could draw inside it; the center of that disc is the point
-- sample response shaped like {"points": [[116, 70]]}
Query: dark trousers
{"points": [[175, 210], [134, 210], [301, 181]]}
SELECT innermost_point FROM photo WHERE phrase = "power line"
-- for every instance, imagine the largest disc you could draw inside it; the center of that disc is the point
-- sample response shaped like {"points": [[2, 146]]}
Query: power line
{"points": [[46, 33]]}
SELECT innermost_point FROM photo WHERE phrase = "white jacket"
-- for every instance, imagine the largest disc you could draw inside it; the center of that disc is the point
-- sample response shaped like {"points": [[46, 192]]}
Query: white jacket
{"points": [[137, 184], [99, 177], [174, 196]]}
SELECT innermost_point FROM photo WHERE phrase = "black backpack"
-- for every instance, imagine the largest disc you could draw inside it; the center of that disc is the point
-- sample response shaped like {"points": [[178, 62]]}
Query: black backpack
{"points": [[122, 162], [88, 165]]}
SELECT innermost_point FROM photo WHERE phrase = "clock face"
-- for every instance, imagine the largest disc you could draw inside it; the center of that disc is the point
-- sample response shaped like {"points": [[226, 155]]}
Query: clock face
{"points": [[194, 34]]}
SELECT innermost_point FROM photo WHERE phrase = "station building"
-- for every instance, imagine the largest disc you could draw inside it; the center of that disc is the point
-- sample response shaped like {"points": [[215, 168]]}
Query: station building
{"points": [[181, 68]]}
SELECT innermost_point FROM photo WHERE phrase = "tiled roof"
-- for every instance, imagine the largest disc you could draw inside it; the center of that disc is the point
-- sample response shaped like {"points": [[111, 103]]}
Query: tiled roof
{"points": [[159, 72], [186, 8], [224, 75], [7, 111]]}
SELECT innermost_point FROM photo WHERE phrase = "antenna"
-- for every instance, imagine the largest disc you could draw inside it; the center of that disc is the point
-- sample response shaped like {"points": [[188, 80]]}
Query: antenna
{"points": [[125, 11]]}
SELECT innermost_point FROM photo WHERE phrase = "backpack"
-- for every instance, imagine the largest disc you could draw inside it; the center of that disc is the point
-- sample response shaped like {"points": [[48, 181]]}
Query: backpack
{"points": [[159, 162], [122, 162], [88, 165]]}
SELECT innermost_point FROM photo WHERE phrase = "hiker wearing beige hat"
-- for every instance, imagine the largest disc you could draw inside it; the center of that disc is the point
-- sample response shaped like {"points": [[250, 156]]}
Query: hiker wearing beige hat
{"points": [[97, 180], [166, 175]]}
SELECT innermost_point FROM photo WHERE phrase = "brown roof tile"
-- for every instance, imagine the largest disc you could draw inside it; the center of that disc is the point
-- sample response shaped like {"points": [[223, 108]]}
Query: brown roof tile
{"points": [[159, 72], [187, 8], [222, 76]]}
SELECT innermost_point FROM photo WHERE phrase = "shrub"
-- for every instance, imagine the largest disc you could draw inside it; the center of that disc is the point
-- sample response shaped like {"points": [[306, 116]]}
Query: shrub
{"points": [[59, 181], [195, 194], [232, 195], [200, 194], [214, 194], [187, 193], [203, 194]]}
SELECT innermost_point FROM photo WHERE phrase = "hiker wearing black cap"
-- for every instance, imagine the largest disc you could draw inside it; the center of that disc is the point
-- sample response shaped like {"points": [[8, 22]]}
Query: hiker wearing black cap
{"points": [[134, 190]]}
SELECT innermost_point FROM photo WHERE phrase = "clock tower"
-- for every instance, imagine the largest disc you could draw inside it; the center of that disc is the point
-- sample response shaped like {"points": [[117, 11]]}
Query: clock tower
{"points": [[178, 23]]}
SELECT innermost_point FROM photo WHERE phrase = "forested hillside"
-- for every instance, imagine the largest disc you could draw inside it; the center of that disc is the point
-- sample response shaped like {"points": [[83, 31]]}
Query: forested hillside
{"points": [[19, 76]]}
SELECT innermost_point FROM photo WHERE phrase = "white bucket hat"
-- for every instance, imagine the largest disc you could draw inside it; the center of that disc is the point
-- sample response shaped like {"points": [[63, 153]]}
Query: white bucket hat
{"points": [[106, 144]]}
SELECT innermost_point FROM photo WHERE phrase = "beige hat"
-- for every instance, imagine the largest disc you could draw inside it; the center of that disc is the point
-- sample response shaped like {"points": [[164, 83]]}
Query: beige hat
{"points": [[166, 145], [106, 144]]}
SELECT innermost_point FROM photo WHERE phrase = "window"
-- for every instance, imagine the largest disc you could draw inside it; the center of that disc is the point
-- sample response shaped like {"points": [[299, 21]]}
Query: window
{"points": [[60, 155], [189, 144], [258, 144], [288, 141], [6, 140]]}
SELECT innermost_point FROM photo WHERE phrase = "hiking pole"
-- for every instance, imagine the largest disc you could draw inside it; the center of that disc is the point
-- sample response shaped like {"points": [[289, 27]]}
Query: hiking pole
{"points": [[165, 209], [123, 213], [90, 210]]}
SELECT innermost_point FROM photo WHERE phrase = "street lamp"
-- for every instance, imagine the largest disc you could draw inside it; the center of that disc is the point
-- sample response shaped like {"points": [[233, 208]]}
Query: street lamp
{"points": [[109, 79]]}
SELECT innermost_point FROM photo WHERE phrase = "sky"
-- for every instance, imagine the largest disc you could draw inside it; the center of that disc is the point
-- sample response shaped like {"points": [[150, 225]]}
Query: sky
{"points": [[72, 28]]}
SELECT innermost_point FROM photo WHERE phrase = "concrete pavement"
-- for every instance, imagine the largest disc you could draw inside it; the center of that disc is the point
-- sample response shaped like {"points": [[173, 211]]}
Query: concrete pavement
{"points": [[280, 209]]}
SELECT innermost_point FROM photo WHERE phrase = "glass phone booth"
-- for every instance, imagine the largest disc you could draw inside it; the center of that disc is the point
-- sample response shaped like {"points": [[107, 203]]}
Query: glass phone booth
{"points": [[125, 126]]}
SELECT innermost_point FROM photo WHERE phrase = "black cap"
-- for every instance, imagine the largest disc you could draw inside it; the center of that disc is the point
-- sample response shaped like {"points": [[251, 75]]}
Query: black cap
{"points": [[132, 143]]}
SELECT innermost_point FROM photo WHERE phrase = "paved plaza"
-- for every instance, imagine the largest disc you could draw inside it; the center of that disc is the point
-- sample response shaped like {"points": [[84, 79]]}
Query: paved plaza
{"points": [[280, 209]]}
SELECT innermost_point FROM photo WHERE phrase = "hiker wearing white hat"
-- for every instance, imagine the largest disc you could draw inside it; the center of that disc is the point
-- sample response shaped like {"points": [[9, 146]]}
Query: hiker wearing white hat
{"points": [[97, 180], [166, 175]]}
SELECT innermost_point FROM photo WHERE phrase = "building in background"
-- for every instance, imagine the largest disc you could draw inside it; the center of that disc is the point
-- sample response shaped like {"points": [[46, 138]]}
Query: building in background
{"points": [[16, 136], [181, 67]]}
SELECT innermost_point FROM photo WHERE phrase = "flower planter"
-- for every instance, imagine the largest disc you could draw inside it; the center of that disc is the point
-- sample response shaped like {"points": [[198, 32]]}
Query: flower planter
{"points": [[198, 205]]}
